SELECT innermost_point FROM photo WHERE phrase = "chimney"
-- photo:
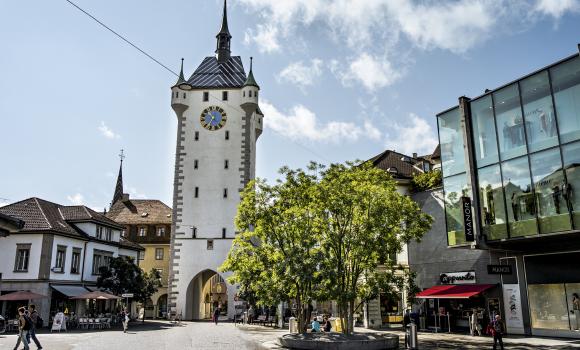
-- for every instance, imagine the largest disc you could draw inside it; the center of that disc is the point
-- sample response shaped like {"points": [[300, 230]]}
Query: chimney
{"points": [[414, 155], [125, 197]]}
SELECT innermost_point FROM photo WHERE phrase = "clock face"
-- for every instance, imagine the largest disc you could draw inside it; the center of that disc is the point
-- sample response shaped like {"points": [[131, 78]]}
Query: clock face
{"points": [[213, 118]]}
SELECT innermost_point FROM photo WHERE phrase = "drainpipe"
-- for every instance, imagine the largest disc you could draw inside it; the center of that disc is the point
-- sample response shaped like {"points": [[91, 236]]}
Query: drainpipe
{"points": [[84, 259]]}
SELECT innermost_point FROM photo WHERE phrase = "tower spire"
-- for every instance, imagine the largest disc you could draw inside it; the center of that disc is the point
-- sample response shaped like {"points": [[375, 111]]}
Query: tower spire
{"points": [[224, 38], [181, 78], [119, 186], [251, 81]]}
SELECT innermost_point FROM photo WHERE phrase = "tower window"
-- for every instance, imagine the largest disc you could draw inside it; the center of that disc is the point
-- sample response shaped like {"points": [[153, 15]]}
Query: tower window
{"points": [[227, 135], [184, 95], [225, 193], [244, 93], [196, 137], [226, 164], [193, 232], [195, 164], [205, 96], [255, 94], [210, 244], [250, 93], [196, 194], [224, 95], [223, 232]]}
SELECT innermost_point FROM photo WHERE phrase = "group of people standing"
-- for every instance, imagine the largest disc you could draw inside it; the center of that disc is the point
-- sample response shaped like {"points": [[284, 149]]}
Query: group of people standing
{"points": [[28, 321]]}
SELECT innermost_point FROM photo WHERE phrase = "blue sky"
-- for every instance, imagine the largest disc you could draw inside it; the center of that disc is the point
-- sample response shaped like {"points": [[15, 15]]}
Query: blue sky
{"points": [[341, 80]]}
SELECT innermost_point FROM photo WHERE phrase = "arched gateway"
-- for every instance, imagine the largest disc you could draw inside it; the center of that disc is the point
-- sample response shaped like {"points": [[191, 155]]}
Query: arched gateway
{"points": [[218, 123]]}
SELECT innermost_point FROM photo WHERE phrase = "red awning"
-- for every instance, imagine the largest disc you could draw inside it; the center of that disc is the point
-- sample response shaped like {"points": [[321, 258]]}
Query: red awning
{"points": [[461, 291]]}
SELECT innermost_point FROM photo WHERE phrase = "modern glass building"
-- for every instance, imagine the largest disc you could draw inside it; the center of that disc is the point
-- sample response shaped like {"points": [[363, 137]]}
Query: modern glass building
{"points": [[515, 153]]}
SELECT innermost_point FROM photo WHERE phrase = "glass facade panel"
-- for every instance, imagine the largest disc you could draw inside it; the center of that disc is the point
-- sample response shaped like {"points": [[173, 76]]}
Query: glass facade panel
{"points": [[548, 307], [539, 112], [566, 87], [571, 153], [492, 205], [451, 140], [484, 132], [548, 183], [455, 188], [510, 124], [520, 200]]}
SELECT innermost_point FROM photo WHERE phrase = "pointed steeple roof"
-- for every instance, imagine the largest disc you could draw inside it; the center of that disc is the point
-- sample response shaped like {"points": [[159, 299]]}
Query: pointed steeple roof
{"points": [[181, 78], [119, 186], [250, 81], [225, 29]]}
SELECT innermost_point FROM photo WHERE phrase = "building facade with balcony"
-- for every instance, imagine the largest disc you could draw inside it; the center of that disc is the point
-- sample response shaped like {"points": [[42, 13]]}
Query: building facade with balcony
{"points": [[511, 175]]}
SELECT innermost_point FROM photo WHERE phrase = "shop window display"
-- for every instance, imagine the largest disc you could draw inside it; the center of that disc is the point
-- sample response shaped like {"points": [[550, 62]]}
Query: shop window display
{"points": [[548, 307], [492, 205], [510, 123], [455, 187], [539, 112], [549, 185], [451, 140], [566, 87], [521, 204], [571, 155], [484, 132]]}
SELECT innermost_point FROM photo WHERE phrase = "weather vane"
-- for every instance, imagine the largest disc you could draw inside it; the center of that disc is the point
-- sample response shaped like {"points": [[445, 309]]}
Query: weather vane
{"points": [[122, 155]]}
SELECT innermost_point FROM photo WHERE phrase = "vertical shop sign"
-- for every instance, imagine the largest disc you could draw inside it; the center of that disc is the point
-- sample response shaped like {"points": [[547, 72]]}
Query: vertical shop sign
{"points": [[513, 308], [467, 219]]}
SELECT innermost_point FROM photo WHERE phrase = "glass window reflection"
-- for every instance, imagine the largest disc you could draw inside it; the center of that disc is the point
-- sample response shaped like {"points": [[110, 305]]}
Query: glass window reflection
{"points": [[548, 308], [455, 187], [539, 112], [484, 132], [521, 206], [492, 205], [571, 155], [566, 86], [451, 140], [510, 124], [549, 185]]}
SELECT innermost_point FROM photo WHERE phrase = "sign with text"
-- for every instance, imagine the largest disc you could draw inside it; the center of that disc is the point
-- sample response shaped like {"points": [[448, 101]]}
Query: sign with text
{"points": [[467, 219], [499, 269], [465, 277], [127, 295]]}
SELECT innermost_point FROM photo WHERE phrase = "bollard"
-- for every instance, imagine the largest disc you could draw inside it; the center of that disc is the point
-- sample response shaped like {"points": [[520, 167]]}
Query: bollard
{"points": [[413, 338]]}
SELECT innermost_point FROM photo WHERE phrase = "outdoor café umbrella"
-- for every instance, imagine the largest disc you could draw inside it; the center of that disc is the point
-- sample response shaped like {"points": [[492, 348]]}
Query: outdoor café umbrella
{"points": [[97, 295], [21, 295]]}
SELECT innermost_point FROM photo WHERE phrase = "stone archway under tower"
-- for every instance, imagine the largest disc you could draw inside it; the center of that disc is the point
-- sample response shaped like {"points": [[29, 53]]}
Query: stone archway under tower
{"points": [[206, 291]]}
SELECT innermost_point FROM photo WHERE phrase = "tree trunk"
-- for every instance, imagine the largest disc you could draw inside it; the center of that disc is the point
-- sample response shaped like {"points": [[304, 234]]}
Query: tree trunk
{"points": [[351, 317]]}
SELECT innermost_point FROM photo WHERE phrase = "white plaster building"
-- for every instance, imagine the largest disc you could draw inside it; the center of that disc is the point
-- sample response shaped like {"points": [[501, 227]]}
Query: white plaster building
{"points": [[218, 123], [57, 253]]}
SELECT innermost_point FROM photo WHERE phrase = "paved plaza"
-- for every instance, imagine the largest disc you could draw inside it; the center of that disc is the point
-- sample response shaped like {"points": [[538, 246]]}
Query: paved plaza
{"points": [[227, 336]]}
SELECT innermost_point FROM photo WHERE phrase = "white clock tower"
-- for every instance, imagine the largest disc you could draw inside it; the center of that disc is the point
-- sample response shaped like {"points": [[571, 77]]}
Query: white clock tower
{"points": [[218, 123]]}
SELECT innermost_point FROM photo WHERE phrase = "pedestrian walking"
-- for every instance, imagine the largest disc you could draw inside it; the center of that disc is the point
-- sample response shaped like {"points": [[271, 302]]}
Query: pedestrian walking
{"points": [[496, 328], [24, 325], [36, 323], [125, 319], [216, 314]]}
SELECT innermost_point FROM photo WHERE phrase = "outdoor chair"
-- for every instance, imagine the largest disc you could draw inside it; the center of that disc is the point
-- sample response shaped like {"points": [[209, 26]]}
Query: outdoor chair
{"points": [[97, 323], [91, 323]]}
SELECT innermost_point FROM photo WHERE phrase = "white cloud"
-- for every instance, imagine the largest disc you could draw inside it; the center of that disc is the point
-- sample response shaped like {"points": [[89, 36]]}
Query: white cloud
{"points": [[371, 72], [557, 8], [416, 136], [371, 131], [76, 199], [301, 74], [134, 193], [107, 132], [265, 37], [300, 123]]}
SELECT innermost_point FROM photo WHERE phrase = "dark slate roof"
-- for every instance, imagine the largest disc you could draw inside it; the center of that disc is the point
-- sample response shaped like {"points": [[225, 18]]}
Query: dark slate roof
{"points": [[436, 153], [132, 211], [41, 215], [211, 74], [395, 163], [8, 223]]}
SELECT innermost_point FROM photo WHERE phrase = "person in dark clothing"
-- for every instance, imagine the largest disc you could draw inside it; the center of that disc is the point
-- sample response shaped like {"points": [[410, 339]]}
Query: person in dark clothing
{"points": [[32, 332], [216, 314], [497, 332]]}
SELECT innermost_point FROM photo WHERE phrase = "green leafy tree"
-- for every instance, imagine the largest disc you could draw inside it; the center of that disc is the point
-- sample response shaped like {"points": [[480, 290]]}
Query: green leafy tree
{"points": [[124, 276], [426, 181], [366, 222], [275, 255]]}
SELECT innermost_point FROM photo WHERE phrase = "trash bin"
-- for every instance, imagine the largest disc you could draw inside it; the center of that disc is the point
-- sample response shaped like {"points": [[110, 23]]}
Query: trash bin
{"points": [[293, 325], [413, 343]]}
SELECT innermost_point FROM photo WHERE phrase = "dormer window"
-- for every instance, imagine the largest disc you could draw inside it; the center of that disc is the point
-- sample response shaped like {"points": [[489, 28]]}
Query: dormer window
{"points": [[142, 231], [100, 231], [108, 234], [160, 231]]}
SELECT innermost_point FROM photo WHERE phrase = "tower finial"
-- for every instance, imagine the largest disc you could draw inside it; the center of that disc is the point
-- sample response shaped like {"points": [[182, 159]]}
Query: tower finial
{"points": [[251, 62], [118, 195], [224, 38], [181, 78]]}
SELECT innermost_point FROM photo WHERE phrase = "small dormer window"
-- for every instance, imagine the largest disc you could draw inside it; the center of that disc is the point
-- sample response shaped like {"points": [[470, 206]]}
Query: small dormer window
{"points": [[142, 231], [160, 231]]}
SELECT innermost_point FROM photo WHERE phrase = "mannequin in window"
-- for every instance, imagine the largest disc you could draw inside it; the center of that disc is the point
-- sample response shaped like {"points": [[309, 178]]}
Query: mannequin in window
{"points": [[556, 197]]}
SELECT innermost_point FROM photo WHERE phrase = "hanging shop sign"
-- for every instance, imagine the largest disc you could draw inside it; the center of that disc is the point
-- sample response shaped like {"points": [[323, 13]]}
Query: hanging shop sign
{"points": [[499, 269], [467, 219], [465, 277]]}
